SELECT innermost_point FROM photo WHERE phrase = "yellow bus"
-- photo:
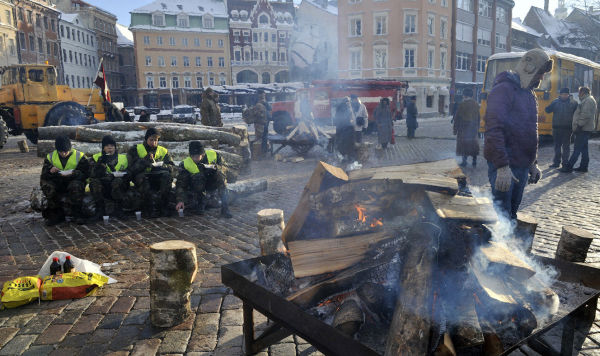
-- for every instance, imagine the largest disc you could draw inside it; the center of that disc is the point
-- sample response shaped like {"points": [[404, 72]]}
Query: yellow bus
{"points": [[568, 71]]}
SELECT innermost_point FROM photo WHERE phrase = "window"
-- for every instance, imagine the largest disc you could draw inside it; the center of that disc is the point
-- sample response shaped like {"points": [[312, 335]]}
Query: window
{"points": [[208, 43], [198, 61], [481, 63], [146, 40], [175, 82], [430, 25], [380, 57], [159, 40], [500, 41], [355, 26], [484, 37], [246, 35], [444, 3], [463, 61], [161, 61], [148, 61], [186, 61], [46, 23], [485, 8], [355, 58], [199, 82], [150, 82], [197, 42], [62, 31], [211, 79], [466, 5], [182, 21], [78, 36], [48, 48], [187, 82], [443, 60], [255, 37], [172, 41], [410, 23], [8, 17], [31, 43], [11, 47], [30, 17], [221, 43], [274, 38], [266, 37], [67, 79], [162, 82], [221, 61], [38, 20], [184, 42], [501, 14], [464, 32], [22, 42], [380, 24], [430, 57], [208, 21], [209, 61], [263, 19], [70, 56], [158, 20], [222, 79], [443, 28], [173, 61], [409, 58]]}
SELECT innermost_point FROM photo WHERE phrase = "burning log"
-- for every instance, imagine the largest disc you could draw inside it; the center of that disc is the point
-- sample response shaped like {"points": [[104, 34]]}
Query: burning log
{"points": [[477, 210], [500, 260], [574, 244], [465, 329], [375, 297], [348, 194], [348, 318], [409, 332], [352, 226], [444, 168]]}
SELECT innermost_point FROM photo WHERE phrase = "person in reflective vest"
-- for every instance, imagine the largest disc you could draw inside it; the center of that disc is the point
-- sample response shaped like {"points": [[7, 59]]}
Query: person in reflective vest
{"points": [[63, 182], [202, 171], [151, 170], [109, 181]]}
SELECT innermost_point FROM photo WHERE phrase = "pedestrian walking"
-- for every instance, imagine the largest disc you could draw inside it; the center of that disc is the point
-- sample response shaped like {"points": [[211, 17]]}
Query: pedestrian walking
{"points": [[584, 123], [411, 116], [511, 134], [344, 130], [361, 117], [562, 109], [383, 120], [466, 128]]}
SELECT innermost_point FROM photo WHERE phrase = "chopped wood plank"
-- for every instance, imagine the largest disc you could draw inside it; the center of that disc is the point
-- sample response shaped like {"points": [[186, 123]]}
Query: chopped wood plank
{"points": [[312, 257], [293, 133], [479, 210], [427, 181], [445, 168], [501, 260]]}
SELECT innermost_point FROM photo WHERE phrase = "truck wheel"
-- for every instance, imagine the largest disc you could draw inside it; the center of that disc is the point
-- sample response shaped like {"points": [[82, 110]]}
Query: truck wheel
{"points": [[282, 122], [32, 135], [3, 133]]}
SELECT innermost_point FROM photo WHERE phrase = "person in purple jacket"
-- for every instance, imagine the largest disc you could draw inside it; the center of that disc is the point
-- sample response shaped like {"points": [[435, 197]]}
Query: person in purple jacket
{"points": [[511, 131]]}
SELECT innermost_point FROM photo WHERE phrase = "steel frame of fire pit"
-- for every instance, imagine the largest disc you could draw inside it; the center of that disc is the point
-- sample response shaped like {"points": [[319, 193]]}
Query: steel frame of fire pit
{"points": [[290, 319]]}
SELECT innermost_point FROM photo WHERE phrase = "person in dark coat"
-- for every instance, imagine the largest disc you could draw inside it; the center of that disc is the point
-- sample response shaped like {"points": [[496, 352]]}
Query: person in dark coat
{"points": [[466, 128], [144, 117], [562, 109], [383, 119], [411, 117], [511, 134], [63, 182], [210, 112], [344, 130], [126, 116], [112, 112]]}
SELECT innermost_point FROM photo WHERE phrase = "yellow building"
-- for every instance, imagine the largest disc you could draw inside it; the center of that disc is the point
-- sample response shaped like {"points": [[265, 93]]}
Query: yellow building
{"points": [[180, 49], [8, 35]]}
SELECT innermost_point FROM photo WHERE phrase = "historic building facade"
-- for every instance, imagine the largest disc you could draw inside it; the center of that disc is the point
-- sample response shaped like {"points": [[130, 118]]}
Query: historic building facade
{"points": [[181, 47], [126, 92], [403, 40], [260, 33], [79, 52], [8, 34]]}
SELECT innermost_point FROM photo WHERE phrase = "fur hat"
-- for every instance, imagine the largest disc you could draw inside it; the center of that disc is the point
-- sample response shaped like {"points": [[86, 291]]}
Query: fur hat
{"points": [[108, 140], [565, 91], [62, 144], [151, 132], [196, 148], [532, 63]]}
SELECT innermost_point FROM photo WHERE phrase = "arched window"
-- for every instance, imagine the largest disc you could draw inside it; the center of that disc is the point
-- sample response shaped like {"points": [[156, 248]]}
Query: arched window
{"points": [[263, 19], [266, 78]]}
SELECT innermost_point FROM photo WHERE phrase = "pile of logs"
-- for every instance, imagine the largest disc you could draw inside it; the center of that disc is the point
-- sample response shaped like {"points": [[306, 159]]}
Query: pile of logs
{"points": [[230, 142]]}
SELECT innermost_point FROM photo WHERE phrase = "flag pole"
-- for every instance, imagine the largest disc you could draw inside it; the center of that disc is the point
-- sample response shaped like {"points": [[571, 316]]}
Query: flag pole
{"points": [[92, 88]]}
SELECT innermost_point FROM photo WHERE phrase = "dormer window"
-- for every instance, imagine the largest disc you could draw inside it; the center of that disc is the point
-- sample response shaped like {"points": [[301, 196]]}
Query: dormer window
{"points": [[158, 19], [183, 20], [208, 21], [244, 15], [263, 19], [180, 7]]}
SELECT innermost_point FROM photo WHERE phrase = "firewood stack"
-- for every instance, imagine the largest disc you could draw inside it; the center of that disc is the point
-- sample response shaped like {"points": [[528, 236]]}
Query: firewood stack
{"points": [[411, 250], [230, 142]]}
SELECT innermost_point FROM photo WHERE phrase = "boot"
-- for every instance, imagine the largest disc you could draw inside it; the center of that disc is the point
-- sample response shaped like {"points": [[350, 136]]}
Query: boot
{"points": [[464, 161], [200, 207], [225, 213]]}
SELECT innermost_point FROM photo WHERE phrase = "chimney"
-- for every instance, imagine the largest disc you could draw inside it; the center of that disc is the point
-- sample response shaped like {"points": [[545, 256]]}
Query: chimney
{"points": [[547, 5]]}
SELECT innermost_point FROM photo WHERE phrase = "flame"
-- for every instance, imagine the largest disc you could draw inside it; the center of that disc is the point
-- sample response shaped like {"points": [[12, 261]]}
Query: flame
{"points": [[362, 213], [283, 249], [376, 222], [338, 299]]}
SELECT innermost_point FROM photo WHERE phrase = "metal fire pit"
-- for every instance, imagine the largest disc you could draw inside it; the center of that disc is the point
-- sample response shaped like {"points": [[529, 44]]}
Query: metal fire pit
{"points": [[290, 319]]}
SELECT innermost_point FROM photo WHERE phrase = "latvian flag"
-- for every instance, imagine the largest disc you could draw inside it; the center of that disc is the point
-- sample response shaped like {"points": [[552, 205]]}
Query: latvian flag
{"points": [[101, 83]]}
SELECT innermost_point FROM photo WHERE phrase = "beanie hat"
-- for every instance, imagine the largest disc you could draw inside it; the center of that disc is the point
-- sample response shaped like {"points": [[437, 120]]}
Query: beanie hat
{"points": [[468, 92], [196, 148], [565, 91], [151, 132], [108, 140], [62, 144]]}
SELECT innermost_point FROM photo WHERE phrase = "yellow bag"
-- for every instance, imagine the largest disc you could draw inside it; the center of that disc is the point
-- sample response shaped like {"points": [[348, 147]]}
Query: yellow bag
{"points": [[20, 291], [71, 285]]}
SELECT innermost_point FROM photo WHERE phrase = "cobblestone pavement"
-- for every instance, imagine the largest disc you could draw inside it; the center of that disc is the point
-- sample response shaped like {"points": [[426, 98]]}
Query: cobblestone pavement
{"points": [[116, 320]]}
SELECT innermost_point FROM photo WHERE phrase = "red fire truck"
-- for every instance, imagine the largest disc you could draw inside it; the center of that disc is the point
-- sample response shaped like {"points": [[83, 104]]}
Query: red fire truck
{"points": [[324, 95]]}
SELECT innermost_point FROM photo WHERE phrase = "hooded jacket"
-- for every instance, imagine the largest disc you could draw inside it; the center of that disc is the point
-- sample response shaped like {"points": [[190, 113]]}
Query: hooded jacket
{"points": [[511, 131]]}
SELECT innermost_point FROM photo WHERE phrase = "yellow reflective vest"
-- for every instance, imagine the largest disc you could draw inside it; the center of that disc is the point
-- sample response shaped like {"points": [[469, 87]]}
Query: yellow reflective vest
{"points": [[160, 154], [121, 162], [72, 162], [192, 167]]}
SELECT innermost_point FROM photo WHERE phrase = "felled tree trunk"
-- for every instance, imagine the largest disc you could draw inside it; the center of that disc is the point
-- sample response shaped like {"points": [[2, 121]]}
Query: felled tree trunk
{"points": [[52, 132], [525, 230], [87, 134], [270, 227], [173, 267], [574, 244]]}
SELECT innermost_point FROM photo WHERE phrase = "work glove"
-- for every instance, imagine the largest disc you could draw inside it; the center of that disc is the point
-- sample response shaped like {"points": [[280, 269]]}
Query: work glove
{"points": [[504, 178], [534, 174]]}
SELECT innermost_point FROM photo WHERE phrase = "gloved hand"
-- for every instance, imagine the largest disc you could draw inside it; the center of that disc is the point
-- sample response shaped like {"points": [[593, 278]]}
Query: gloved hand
{"points": [[504, 178], [534, 174]]}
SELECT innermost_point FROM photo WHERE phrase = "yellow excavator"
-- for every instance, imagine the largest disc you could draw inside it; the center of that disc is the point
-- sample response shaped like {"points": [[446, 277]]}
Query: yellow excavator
{"points": [[30, 98]]}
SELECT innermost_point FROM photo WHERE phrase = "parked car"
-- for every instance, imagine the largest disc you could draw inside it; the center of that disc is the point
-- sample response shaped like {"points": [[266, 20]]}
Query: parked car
{"points": [[228, 108], [184, 114]]}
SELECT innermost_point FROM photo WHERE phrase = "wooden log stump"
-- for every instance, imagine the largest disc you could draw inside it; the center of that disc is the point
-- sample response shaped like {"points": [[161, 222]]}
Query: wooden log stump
{"points": [[573, 244], [270, 228], [23, 147], [256, 151], [525, 230], [173, 267]]}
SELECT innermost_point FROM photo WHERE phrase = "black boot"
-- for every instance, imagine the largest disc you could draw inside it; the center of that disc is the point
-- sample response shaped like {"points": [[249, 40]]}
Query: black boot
{"points": [[464, 161], [200, 207], [225, 213]]}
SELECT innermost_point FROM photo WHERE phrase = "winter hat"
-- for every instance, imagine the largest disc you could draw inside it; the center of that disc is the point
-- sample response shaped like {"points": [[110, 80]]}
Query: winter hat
{"points": [[151, 132], [62, 144], [565, 91], [468, 92], [353, 96], [108, 140], [196, 148]]}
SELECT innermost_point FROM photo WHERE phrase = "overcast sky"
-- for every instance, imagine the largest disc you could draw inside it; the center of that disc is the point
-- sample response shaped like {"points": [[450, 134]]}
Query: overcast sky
{"points": [[121, 8]]}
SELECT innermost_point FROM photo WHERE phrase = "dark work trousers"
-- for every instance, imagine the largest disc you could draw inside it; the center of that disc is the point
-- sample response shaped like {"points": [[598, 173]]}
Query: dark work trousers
{"points": [[562, 142], [265, 139], [358, 136], [581, 147]]}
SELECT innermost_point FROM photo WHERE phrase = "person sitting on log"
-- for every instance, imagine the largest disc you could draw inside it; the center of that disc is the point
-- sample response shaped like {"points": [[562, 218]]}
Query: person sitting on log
{"points": [[63, 177], [150, 168], [109, 182], [202, 171]]}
